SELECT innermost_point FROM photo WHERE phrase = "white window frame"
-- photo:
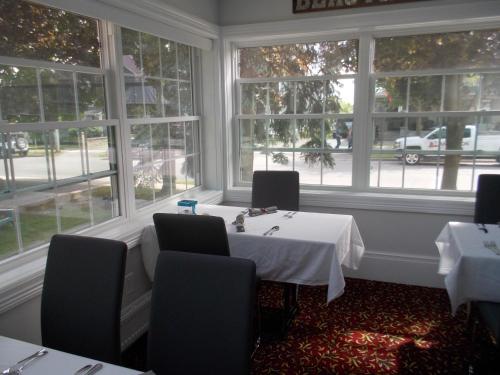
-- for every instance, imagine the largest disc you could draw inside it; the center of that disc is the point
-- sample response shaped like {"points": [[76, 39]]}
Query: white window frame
{"points": [[360, 195]]}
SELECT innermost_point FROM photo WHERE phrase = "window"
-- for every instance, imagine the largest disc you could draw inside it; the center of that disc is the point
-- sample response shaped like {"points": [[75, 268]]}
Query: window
{"points": [[431, 122], [57, 147], [161, 112], [436, 109], [295, 110]]}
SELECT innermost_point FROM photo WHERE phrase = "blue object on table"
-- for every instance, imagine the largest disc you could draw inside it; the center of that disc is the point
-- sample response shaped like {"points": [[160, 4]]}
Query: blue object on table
{"points": [[183, 206]]}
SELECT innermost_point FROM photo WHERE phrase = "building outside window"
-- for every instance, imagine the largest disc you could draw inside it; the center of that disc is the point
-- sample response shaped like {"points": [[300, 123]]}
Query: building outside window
{"points": [[58, 168], [161, 112]]}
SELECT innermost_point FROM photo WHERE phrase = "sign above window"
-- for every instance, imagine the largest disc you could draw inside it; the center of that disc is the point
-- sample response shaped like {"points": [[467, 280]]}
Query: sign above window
{"points": [[303, 6]]}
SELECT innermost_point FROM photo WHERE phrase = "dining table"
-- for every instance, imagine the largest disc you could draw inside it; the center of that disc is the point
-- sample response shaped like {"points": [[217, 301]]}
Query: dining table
{"points": [[470, 260], [55, 362], [308, 248]]}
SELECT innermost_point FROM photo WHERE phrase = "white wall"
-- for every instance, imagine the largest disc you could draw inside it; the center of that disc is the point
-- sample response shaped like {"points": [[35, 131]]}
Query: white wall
{"points": [[207, 10], [238, 12]]}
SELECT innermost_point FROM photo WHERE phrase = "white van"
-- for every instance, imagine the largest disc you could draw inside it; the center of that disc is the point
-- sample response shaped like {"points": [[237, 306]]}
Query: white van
{"points": [[435, 140]]}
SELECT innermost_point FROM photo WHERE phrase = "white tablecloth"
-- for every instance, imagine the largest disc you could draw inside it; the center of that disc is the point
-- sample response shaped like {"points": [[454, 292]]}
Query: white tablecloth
{"points": [[53, 363], [308, 249], [472, 270]]}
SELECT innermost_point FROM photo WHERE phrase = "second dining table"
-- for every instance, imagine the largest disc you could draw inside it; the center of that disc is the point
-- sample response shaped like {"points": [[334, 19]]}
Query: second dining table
{"points": [[308, 249]]}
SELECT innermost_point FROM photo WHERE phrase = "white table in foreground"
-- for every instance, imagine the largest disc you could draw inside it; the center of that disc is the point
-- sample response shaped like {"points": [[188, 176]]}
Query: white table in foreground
{"points": [[472, 270], [53, 363], [309, 249]]}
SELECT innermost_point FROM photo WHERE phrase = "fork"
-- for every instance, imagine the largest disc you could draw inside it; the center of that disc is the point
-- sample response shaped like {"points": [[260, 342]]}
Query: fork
{"points": [[19, 366]]}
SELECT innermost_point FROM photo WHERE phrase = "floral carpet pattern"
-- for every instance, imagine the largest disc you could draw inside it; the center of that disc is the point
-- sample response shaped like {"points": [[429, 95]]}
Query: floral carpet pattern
{"points": [[373, 328]]}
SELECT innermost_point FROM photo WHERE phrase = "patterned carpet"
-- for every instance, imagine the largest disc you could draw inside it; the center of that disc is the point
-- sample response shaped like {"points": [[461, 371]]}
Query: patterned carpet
{"points": [[374, 328]]}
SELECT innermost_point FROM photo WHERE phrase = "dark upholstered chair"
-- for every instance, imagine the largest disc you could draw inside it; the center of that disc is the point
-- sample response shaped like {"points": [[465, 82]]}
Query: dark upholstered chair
{"points": [[82, 296], [192, 233], [281, 189], [487, 211], [276, 188], [202, 311]]}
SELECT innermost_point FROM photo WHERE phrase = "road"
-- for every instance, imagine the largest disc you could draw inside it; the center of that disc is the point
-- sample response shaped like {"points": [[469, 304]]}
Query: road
{"points": [[388, 173]]}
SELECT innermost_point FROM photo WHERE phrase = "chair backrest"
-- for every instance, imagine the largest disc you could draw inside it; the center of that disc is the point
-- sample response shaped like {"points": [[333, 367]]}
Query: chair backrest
{"points": [[276, 188], [192, 233], [487, 210], [202, 311], [82, 296]]}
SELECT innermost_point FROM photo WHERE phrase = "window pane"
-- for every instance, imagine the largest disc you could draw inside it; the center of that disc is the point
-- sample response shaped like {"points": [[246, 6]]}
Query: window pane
{"points": [[152, 95], [37, 213], [280, 161], [191, 172], [190, 138], [281, 133], [19, 100], [179, 181], [168, 59], [69, 153], [101, 149], [134, 97], [308, 164], [91, 97], [391, 94], [144, 171], [104, 195], [184, 61], [161, 156], [131, 49], [425, 93], [337, 169], [310, 97], [268, 98], [150, 55], [253, 133], [186, 99], [469, 49], [176, 141], [309, 134], [171, 98], [8, 234], [58, 95], [35, 169], [299, 59], [74, 207], [33, 31], [340, 96], [338, 133]]}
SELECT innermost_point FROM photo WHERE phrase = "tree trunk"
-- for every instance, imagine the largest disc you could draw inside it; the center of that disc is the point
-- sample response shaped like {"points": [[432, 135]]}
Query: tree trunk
{"points": [[454, 133]]}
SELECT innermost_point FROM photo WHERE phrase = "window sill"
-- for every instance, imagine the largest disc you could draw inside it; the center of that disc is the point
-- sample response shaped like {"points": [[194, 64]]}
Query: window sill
{"points": [[427, 204], [21, 276]]}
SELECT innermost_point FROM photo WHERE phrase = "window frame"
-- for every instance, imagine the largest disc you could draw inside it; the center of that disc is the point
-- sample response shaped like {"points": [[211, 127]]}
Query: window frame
{"points": [[364, 83]]}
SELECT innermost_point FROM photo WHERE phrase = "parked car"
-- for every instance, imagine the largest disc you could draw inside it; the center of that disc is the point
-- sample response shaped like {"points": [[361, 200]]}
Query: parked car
{"points": [[435, 140], [18, 145]]}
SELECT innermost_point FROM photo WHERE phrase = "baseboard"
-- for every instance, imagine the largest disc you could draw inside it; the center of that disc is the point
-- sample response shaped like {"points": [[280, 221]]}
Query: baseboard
{"points": [[398, 268]]}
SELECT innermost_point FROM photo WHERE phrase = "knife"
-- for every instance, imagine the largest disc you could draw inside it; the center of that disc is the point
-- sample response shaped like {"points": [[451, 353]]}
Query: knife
{"points": [[94, 369]]}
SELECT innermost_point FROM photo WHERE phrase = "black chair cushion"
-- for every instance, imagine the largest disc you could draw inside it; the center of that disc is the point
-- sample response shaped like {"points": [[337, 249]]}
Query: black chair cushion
{"points": [[82, 295], [490, 314], [201, 314], [276, 188], [192, 233], [487, 210]]}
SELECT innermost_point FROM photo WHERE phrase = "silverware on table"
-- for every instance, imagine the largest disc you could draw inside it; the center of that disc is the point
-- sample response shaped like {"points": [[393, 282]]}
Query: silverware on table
{"points": [[94, 369], [482, 227], [271, 231], [83, 369], [19, 366], [288, 213]]}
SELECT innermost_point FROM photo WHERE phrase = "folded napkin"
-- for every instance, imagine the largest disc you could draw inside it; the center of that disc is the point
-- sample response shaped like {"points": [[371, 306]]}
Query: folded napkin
{"points": [[262, 211]]}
